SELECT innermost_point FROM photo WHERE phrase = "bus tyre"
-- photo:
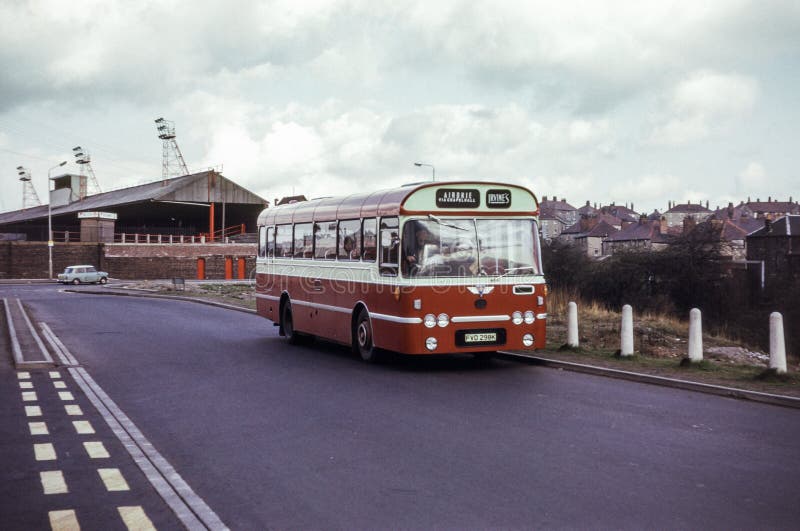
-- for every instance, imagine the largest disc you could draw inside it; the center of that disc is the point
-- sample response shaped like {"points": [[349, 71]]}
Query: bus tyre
{"points": [[362, 338], [287, 325]]}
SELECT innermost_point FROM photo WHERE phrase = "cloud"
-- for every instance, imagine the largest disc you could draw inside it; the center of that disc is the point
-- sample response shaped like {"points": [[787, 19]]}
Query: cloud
{"points": [[704, 103], [752, 178]]}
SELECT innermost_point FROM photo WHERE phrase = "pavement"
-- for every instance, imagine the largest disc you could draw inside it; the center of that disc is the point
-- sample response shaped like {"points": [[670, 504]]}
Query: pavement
{"points": [[775, 399]]}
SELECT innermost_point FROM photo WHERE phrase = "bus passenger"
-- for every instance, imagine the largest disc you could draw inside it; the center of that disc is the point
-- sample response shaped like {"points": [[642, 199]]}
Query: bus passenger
{"points": [[414, 248]]}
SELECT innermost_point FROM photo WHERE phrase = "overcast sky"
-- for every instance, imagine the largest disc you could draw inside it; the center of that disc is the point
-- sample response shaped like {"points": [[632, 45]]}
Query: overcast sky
{"points": [[631, 102]]}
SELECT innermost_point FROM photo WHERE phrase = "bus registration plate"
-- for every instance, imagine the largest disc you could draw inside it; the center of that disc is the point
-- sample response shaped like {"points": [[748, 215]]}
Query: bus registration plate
{"points": [[480, 337]]}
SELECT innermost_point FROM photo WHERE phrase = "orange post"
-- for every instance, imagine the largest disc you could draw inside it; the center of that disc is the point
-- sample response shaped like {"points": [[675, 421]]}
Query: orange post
{"points": [[211, 222], [228, 267], [241, 268], [201, 269]]}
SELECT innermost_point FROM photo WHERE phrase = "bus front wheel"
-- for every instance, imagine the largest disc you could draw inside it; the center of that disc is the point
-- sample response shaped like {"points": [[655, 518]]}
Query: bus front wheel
{"points": [[362, 338], [287, 325]]}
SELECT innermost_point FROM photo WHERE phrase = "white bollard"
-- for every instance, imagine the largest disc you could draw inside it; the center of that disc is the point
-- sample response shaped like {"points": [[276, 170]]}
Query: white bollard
{"points": [[777, 346], [626, 346], [572, 325], [695, 336]]}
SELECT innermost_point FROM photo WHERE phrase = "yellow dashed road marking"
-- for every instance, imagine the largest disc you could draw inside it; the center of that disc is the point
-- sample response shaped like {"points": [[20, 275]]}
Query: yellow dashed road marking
{"points": [[135, 519], [55, 374], [29, 396], [23, 375], [25, 385], [96, 450], [33, 411], [73, 409], [38, 428], [59, 385], [113, 479], [64, 520], [83, 426], [53, 482], [44, 452], [65, 395]]}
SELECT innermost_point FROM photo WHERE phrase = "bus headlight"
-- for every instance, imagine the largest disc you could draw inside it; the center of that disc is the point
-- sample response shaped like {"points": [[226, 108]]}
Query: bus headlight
{"points": [[529, 317], [443, 320], [516, 318], [431, 343], [430, 320], [527, 340]]}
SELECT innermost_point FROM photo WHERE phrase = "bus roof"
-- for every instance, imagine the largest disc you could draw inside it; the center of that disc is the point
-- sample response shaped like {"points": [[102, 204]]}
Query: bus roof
{"points": [[443, 198]]}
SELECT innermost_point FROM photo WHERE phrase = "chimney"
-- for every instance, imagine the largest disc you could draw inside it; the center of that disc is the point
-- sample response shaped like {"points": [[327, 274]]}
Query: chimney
{"points": [[768, 224], [544, 198], [769, 199], [663, 226], [587, 201], [730, 210], [631, 206], [706, 203], [563, 199]]}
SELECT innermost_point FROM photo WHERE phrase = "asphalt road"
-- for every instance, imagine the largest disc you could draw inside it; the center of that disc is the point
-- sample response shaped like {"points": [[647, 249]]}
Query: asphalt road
{"points": [[274, 436]]}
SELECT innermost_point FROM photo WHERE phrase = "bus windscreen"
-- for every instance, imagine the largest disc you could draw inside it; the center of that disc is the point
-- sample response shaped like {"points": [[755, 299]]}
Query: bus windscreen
{"points": [[452, 247]]}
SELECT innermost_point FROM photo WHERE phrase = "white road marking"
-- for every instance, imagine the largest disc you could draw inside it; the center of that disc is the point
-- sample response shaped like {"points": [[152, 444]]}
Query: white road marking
{"points": [[25, 385], [53, 482], [59, 385], [190, 509], [73, 409], [135, 519], [29, 396], [55, 374], [33, 411], [64, 520], [38, 428], [83, 427], [44, 452], [113, 479], [65, 395], [24, 375], [96, 450]]}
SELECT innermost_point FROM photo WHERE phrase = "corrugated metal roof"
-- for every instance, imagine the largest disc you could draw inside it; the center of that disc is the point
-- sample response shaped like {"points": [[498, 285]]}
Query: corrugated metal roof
{"points": [[159, 190]]}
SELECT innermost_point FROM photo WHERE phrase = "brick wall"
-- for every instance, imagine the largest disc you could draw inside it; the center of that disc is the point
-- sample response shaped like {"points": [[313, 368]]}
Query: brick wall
{"points": [[30, 259]]}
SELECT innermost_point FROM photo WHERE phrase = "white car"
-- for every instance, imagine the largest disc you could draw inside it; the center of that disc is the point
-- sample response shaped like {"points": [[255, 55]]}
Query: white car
{"points": [[82, 273]]}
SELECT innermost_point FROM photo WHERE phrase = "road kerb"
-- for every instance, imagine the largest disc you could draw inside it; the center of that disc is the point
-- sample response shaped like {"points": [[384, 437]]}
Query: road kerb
{"points": [[731, 392]]}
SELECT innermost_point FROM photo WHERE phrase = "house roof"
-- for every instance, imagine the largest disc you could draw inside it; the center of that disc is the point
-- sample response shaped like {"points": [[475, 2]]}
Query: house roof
{"points": [[642, 230], [773, 207], [587, 209], [554, 205], [575, 228], [687, 208], [720, 230], [601, 230], [785, 226]]}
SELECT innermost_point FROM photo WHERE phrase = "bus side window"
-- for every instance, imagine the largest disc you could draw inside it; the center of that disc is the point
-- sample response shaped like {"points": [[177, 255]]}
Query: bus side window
{"points": [[390, 246], [369, 236], [325, 240], [262, 242], [283, 241], [270, 242], [349, 239], [304, 240]]}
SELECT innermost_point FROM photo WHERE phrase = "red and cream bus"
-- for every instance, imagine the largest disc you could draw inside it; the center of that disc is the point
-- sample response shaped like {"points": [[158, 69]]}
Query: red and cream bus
{"points": [[430, 268]]}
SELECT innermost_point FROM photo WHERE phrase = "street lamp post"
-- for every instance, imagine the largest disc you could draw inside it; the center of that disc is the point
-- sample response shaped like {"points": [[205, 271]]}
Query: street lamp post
{"points": [[433, 170], [50, 221]]}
